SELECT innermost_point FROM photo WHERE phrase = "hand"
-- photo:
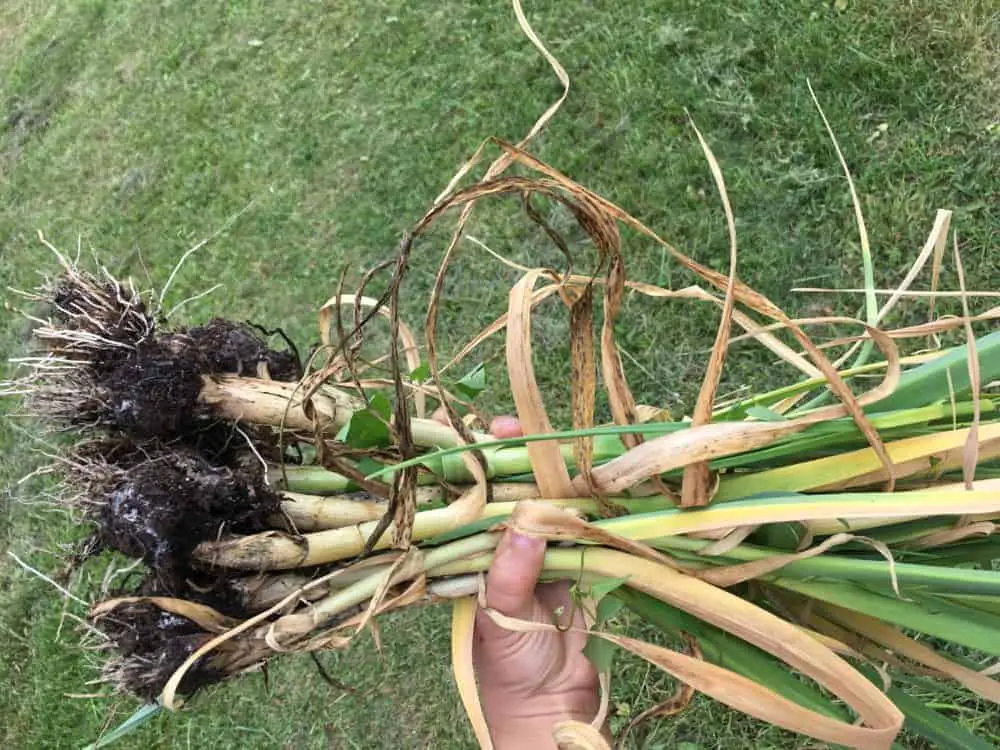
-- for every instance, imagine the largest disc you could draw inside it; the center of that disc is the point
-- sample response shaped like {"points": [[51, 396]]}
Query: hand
{"points": [[501, 427], [530, 681]]}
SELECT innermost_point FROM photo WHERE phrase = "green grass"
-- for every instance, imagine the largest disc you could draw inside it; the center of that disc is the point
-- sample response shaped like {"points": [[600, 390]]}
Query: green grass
{"points": [[141, 128]]}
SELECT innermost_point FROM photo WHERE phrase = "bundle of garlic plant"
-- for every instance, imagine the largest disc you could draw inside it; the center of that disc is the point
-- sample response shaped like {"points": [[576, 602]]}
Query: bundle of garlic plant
{"points": [[281, 506]]}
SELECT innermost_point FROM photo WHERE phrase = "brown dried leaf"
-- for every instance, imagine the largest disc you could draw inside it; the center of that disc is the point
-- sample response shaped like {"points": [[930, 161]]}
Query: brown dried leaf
{"points": [[966, 530], [584, 383], [731, 575], [939, 248], [407, 566], [672, 706], [882, 721], [741, 291], [499, 165], [678, 449], [970, 453], [463, 626], [168, 697], [498, 325], [732, 538], [901, 645], [576, 735], [935, 243], [697, 480], [410, 348], [208, 619], [547, 462], [538, 518]]}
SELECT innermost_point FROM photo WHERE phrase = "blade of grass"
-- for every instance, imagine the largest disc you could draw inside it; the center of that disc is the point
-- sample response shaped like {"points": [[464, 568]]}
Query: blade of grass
{"points": [[141, 716], [949, 621], [875, 573], [719, 647], [901, 645], [941, 731], [871, 302]]}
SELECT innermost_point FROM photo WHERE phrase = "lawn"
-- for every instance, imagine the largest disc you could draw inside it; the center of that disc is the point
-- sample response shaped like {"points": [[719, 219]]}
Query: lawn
{"points": [[306, 136]]}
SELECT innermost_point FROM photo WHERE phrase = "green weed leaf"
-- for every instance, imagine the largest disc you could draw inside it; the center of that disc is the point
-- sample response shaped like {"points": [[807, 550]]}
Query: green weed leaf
{"points": [[365, 430], [601, 589], [380, 404], [420, 373], [608, 607], [600, 652], [472, 383]]}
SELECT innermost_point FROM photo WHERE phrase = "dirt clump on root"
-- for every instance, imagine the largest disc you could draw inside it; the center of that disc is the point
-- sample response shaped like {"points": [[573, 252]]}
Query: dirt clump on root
{"points": [[154, 392], [237, 349], [219, 591], [149, 385], [157, 504], [119, 371], [151, 645]]}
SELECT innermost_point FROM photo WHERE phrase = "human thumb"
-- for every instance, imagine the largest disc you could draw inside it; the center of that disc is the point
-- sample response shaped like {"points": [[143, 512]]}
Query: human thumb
{"points": [[513, 575]]}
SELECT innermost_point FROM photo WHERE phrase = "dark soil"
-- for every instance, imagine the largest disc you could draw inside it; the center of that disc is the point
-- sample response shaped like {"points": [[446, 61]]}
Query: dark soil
{"points": [[154, 391], [236, 348], [215, 591], [151, 644], [134, 379], [158, 504]]}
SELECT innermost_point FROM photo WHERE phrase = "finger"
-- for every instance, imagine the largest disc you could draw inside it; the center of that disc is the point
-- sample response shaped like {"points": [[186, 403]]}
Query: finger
{"points": [[440, 415], [513, 575], [506, 427], [555, 596]]}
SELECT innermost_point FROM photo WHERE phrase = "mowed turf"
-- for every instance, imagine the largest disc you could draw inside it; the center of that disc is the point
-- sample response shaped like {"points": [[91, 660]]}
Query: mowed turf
{"points": [[307, 136]]}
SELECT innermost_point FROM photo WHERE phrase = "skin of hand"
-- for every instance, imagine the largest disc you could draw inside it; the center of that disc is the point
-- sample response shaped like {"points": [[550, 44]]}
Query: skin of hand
{"points": [[529, 681]]}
